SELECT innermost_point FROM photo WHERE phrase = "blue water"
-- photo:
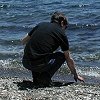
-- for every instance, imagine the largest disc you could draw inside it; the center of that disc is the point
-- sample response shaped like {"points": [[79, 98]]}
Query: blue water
{"points": [[17, 17]]}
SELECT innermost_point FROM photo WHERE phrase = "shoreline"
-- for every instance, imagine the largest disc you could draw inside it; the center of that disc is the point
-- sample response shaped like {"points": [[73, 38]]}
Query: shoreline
{"points": [[16, 84], [17, 89]]}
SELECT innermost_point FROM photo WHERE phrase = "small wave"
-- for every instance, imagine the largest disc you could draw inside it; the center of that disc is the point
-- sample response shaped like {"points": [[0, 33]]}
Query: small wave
{"points": [[9, 42], [87, 56], [11, 55], [83, 26], [82, 70], [8, 4], [96, 4], [78, 5], [10, 63], [14, 27], [91, 57], [4, 6], [89, 71], [52, 3]]}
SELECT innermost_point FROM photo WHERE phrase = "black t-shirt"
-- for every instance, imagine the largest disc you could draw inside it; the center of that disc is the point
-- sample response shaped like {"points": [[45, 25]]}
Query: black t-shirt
{"points": [[45, 39]]}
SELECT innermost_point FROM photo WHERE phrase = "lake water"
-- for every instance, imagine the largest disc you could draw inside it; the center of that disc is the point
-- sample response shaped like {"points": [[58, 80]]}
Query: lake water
{"points": [[17, 17]]}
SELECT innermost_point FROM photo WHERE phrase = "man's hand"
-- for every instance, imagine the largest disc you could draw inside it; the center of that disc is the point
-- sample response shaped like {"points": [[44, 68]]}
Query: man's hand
{"points": [[77, 77]]}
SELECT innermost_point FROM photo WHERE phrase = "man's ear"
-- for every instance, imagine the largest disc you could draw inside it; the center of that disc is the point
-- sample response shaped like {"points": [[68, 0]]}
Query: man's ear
{"points": [[62, 23]]}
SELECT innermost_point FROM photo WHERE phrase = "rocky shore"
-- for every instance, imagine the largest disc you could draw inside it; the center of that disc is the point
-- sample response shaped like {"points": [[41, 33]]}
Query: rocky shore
{"points": [[17, 89]]}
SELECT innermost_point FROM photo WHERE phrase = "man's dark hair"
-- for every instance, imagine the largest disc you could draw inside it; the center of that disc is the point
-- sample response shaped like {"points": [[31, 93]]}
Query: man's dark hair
{"points": [[58, 17]]}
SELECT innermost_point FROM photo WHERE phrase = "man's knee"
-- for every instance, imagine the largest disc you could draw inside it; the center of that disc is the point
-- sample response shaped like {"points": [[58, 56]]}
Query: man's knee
{"points": [[61, 55]]}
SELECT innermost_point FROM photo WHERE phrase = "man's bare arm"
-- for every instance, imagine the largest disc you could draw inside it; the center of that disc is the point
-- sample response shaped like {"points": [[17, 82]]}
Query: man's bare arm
{"points": [[25, 39], [71, 65]]}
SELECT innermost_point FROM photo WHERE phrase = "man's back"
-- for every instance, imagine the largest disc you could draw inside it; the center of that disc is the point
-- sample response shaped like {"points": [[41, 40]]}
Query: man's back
{"points": [[45, 39]]}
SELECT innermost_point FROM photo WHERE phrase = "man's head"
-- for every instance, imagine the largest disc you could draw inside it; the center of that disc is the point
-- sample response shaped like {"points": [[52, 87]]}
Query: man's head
{"points": [[59, 18]]}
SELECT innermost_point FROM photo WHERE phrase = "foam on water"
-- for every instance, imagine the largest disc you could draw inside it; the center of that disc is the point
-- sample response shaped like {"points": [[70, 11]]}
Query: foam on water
{"points": [[89, 71]]}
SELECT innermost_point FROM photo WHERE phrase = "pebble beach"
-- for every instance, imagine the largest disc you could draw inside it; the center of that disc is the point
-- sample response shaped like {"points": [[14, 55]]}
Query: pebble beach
{"points": [[16, 84], [9, 90]]}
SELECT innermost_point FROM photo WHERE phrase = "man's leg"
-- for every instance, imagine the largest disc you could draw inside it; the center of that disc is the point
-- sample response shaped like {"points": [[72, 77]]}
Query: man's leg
{"points": [[35, 76], [42, 78], [55, 63]]}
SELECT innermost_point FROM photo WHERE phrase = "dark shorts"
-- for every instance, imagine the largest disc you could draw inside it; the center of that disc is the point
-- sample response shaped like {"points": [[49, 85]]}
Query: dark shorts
{"points": [[38, 65], [49, 64]]}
